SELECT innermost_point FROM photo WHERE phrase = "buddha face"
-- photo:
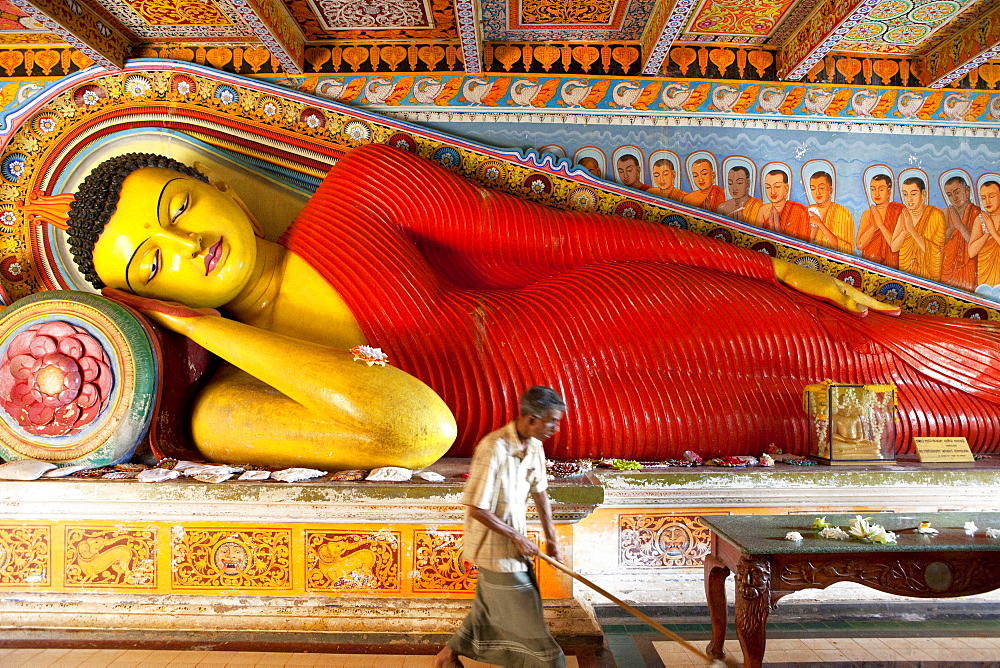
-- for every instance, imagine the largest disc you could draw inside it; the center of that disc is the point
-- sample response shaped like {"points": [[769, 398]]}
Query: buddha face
{"points": [[880, 191], [739, 184], [990, 195], [820, 189], [176, 238], [663, 175], [958, 192], [628, 171], [703, 174], [913, 196], [775, 187]]}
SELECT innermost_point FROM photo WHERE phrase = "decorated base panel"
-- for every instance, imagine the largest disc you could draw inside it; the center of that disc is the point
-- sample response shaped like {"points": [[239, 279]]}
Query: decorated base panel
{"points": [[242, 559], [124, 555]]}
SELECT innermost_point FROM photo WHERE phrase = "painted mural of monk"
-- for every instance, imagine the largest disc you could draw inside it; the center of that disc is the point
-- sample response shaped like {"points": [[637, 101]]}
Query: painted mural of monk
{"points": [[743, 206], [985, 240], [708, 195], [830, 223], [629, 173], [779, 213], [591, 165], [878, 223], [665, 178], [919, 237], [961, 215]]}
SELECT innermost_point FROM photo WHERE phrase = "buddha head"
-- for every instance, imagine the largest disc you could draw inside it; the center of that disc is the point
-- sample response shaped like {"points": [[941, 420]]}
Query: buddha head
{"points": [[155, 227]]}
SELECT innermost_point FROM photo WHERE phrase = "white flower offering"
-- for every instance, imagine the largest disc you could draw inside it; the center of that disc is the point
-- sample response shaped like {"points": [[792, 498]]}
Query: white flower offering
{"points": [[793, 535], [971, 528], [926, 529], [370, 356], [862, 529], [833, 533], [993, 533]]}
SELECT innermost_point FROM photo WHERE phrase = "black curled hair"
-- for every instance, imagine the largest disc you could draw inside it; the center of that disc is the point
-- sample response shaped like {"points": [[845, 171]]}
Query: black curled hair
{"points": [[96, 201]]}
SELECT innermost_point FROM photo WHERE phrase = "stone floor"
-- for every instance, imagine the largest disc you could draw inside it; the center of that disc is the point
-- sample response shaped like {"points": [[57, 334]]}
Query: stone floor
{"points": [[900, 642]]}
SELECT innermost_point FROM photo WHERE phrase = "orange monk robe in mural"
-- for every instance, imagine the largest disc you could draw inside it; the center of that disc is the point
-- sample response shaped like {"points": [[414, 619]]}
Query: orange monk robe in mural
{"points": [[878, 224], [834, 229], [792, 220], [742, 206], [924, 261], [709, 199], [708, 196], [985, 243], [781, 214], [830, 224], [958, 269], [919, 237]]}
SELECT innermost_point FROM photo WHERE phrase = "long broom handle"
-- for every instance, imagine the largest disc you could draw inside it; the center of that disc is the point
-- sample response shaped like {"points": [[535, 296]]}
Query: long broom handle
{"points": [[628, 608]]}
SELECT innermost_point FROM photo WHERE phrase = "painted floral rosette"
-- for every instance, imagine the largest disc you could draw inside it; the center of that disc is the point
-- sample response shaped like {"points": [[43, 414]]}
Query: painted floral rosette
{"points": [[77, 380]]}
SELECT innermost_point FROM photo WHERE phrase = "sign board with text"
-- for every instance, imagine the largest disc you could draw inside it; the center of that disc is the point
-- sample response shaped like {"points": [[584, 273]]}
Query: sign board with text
{"points": [[941, 449]]}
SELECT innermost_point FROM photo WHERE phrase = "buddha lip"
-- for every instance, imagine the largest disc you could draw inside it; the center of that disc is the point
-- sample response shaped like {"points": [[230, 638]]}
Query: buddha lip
{"points": [[212, 259]]}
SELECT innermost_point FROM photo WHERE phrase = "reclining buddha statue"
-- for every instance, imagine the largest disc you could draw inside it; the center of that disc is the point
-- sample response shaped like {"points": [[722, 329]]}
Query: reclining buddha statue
{"points": [[661, 340]]}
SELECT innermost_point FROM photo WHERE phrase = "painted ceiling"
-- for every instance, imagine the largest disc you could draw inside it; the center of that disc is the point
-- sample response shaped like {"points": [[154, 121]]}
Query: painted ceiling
{"points": [[935, 43]]}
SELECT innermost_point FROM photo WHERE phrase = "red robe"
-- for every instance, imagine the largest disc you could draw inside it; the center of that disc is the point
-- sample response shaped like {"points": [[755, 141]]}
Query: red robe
{"points": [[661, 340], [794, 220], [877, 249], [708, 199], [957, 268]]}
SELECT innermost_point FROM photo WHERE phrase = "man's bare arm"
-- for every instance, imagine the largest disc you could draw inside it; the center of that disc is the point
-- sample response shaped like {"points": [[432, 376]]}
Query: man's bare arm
{"points": [[496, 525], [544, 509]]}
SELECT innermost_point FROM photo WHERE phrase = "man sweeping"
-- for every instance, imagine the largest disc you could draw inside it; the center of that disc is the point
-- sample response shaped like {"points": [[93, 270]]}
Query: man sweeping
{"points": [[505, 626]]}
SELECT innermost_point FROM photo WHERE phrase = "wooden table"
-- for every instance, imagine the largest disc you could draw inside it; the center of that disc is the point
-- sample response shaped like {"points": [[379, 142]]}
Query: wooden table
{"points": [[768, 567]]}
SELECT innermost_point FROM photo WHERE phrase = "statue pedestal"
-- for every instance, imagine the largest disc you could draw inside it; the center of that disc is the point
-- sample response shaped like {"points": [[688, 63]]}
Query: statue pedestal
{"points": [[322, 566], [301, 565]]}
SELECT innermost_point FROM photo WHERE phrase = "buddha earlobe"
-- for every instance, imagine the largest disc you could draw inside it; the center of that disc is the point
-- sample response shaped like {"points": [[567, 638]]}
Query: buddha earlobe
{"points": [[219, 184]]}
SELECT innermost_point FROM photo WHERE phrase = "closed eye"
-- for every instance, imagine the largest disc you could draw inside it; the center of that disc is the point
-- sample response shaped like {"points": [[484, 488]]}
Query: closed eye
{"points": [[154, 266], [180, 209]]}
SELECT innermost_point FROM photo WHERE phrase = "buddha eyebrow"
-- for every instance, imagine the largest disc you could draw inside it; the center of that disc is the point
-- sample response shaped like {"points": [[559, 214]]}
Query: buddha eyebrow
{"points": [[159, 202]]}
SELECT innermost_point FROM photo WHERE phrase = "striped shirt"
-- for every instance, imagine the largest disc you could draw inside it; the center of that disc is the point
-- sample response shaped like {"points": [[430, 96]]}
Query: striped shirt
{"points": [[505, 472]]}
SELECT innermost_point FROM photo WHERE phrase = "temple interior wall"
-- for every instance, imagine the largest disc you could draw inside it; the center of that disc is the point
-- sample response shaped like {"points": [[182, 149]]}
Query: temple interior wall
{"points": [[637, 535]]}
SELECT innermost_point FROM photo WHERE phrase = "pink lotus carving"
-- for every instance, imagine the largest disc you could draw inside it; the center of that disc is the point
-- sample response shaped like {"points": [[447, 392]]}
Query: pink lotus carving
{"points": [[55, 378]]}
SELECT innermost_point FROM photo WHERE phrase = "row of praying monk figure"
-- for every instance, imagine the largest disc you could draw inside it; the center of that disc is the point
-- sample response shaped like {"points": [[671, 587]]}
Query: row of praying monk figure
{"points": [[958, 245]]}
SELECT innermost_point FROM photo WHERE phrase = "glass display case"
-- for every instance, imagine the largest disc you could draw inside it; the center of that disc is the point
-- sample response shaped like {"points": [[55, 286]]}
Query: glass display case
{"points": [[851, 423]]}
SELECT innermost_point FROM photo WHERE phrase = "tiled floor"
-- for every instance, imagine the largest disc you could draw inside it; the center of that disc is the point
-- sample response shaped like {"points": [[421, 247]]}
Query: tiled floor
{"points": [[114, 658], [882, 651], [896, 644], [970, 643]]}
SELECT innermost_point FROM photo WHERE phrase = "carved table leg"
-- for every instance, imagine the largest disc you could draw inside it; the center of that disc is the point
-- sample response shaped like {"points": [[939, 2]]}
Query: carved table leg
{"points": [[715, 594], [753, 603]]}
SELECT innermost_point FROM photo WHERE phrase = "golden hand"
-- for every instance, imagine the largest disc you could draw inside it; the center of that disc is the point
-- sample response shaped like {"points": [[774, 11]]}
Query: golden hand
{"points": [[828, 288], [173, 315]]}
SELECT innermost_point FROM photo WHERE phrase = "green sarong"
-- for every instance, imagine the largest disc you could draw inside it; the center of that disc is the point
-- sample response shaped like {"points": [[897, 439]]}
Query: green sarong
{"points": [[505, 626]]}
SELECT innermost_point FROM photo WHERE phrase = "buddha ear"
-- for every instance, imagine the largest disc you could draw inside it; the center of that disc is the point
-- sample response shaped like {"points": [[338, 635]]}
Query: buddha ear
{"points": [[219, 184]]}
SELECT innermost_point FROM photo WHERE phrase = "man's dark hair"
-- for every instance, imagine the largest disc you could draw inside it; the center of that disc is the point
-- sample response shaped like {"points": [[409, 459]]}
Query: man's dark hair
{"points": [[883, 177], [539, 400], [664, 162], [822, 175], [995, 184], [956, 179], [784, 174], [97, 200], [741, 168], [915, 181], [629, 156]]}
